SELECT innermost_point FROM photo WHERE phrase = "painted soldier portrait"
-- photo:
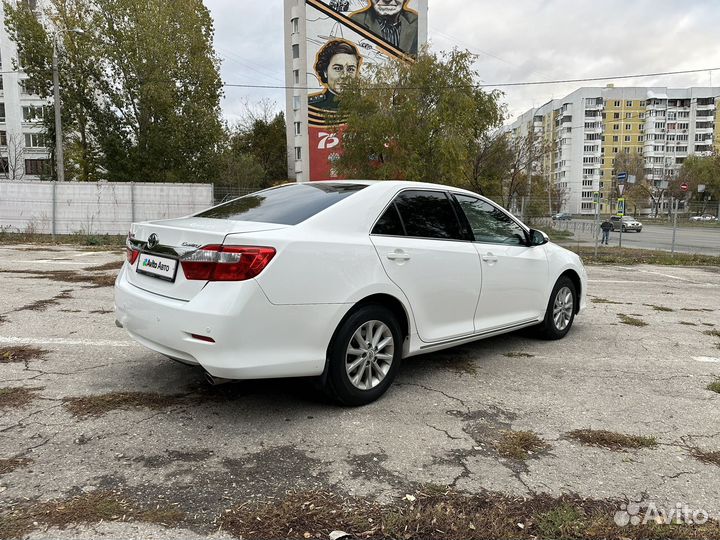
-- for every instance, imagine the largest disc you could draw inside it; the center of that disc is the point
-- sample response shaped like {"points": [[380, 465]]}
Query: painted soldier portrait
{"points": [[392, 21], [336, 60]]}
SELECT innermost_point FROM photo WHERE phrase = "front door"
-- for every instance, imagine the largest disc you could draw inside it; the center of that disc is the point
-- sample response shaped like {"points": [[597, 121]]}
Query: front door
{"points": [[515, 275]]}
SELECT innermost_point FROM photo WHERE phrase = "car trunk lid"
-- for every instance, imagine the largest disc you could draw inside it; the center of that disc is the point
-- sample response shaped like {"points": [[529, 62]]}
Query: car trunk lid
{"points": [[162, 243]]}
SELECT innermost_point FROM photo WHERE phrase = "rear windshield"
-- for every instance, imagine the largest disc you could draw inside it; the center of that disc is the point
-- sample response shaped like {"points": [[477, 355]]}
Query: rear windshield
{"points": [[285, 205]]}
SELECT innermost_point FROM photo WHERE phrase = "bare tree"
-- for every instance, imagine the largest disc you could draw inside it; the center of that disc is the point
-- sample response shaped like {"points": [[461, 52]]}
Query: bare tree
{"points": [[12, 165]]}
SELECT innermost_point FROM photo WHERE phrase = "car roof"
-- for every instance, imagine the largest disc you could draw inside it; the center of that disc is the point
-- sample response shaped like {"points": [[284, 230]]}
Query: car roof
{"points": [[400, 184]]}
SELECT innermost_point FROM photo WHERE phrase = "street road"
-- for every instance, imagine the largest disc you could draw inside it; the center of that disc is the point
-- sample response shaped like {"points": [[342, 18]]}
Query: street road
{"points": [[205, 450], [700, 240]]}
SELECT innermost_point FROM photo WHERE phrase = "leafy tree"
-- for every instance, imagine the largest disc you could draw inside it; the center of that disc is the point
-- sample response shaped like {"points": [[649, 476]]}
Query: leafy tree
{"points": [[641, 192], [416, 121], [141, 87], [261, 133], [697, 170]]}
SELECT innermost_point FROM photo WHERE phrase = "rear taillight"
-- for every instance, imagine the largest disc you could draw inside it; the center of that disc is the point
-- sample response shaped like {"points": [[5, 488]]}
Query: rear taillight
{"points": [[132, 253], [226, 263]]}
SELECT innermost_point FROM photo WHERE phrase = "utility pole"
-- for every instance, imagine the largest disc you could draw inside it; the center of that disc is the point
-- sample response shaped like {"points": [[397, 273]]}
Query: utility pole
{"points": [[59, 157]]}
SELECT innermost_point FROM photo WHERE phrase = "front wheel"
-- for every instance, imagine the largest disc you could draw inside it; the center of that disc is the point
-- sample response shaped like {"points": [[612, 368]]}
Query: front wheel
{"points": [[560, 313], [364, 356]]}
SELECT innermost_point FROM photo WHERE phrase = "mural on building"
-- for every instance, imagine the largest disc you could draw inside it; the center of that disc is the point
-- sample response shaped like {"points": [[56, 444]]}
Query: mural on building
{"points": [[342, 36]]}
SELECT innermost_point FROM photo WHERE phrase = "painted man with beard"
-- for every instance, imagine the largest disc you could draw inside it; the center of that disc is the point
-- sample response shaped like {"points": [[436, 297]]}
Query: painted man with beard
{"points": [[392, 21]]}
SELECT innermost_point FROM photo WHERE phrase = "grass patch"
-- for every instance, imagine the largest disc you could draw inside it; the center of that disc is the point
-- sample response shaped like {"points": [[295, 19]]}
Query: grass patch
{"points": [[660, 308], [443, 515], [714, 387], [631, 321], [713, 333], [42, 305], [611, 440], [606, 301], [630, 257], [557, 235], [67, 276], [685, 323], [713, 458], [16, 397], [90, 508], [3, 319], [520, 445], [11, 464], [519, 355], [94, 240], [104, 403], [21, 354], [114, 265]]}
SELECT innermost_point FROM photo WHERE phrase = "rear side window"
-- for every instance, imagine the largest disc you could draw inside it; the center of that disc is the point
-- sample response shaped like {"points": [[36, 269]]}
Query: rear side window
{"points": [[389, 224], [284, 205], [428, 214]]}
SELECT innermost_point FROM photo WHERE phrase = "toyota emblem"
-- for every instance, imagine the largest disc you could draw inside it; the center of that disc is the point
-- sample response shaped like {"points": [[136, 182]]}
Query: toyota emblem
{"points": [[153, 240]]}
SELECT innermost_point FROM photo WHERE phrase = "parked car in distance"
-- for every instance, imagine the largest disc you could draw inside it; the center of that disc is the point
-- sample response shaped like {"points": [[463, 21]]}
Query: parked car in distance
{"points": [[629, 223], [340, 281], [704, 217], [562, 216]]}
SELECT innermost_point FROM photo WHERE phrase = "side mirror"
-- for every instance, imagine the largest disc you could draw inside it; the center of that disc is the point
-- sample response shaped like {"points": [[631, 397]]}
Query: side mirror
{"points": [[538, 238]]}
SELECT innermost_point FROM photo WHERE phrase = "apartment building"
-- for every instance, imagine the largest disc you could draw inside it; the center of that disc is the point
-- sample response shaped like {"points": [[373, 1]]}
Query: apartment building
{"points": [[584, 132], [24, 152]]}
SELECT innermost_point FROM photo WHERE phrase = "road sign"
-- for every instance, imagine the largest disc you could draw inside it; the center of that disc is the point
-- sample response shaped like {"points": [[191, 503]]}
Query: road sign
{"points": [[621, 207], [684, 187], [621, 189], [622, 177], [596, 197]]}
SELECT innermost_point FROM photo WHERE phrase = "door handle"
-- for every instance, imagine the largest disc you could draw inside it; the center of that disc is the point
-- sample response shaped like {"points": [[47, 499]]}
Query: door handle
{"points": [[490, 258], [398, 255]]}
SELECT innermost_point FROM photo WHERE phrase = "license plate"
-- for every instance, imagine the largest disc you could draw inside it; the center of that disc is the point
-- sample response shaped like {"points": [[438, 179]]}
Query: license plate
{"points": [[157, 267]]}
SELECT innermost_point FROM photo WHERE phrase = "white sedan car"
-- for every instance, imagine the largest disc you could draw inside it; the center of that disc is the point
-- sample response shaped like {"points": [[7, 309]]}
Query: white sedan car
{"points": [[342, 281]]}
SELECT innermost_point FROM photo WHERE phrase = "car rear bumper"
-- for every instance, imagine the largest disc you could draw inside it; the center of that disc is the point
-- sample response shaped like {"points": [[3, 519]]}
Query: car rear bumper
{"points": [[253, 339]]}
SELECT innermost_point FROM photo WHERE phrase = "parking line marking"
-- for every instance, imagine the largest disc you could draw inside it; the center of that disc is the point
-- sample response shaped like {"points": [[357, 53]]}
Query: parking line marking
{"points": [[707, 359], [617, 281], [63, 341]]}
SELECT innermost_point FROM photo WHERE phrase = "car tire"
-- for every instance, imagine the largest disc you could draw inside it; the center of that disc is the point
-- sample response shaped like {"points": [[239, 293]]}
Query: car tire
{"points": [[557, 325], [362, 384]]}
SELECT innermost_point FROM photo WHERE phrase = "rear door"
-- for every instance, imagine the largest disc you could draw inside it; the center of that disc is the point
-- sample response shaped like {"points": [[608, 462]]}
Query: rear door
{"points": [[515, 275], [426, 252]]}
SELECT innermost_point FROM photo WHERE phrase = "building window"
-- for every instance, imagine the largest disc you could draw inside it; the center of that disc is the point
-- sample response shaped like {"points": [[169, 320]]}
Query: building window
{"points": [[298, 153], [616, 116], [628, 103], [298, 127], [628, 115], [617, 103], [628, 138], [3, 138], [628, 127], [296, 76], [37, 167], [295, 25], [296, 51], [2, 112], [616, 138], [34, 113], [616, 127], [35, 140], [2, 86], [296, 103]]}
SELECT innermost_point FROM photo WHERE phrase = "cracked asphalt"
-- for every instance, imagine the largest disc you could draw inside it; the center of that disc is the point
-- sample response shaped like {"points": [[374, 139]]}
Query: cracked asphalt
{"points": [[210, 449]]}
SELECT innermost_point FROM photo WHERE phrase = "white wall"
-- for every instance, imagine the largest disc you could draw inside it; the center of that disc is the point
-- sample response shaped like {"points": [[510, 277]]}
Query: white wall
{"points": [[95, 208]]}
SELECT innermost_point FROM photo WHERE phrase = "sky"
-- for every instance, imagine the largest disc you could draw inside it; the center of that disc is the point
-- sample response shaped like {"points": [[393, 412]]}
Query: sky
{"points": [[514, 40]]}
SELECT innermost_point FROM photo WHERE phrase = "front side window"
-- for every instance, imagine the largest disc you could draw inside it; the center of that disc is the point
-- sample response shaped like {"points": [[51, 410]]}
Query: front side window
{"points": [[489, 224], [428, 214]]}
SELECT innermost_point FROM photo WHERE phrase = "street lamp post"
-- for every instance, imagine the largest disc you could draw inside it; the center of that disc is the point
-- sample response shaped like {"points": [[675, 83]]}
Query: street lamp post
{"points": [[59, 153]]}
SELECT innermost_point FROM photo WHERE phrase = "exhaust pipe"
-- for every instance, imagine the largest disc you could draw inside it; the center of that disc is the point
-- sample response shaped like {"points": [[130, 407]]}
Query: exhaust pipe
{"points": [[216, 381]]}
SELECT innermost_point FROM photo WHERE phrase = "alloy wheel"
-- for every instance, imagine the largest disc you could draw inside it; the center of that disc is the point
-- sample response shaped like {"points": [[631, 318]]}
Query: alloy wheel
{"points": [[563, 308], [369, 355]]}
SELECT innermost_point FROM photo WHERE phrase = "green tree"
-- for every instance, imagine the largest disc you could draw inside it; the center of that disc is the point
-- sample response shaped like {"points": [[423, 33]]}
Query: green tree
{"points": [[141, 87], [261, 133], [416, 121], [697, 170]]}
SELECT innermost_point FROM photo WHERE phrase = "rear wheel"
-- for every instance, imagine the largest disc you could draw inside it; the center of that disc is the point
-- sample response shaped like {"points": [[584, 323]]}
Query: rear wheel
{"points": [[560, 313], [364, 357]]}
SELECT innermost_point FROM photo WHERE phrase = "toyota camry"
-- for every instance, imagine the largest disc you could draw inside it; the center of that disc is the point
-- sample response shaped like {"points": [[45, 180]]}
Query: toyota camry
{"points": [[340, 281]]}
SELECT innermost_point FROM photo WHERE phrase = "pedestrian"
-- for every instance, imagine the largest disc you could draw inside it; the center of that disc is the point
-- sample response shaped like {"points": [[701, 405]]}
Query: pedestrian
{"points": [[606, 226]]}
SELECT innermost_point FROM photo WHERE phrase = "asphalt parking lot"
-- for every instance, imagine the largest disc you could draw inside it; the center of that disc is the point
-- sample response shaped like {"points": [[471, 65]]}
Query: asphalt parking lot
{"points": [[638, 362]]}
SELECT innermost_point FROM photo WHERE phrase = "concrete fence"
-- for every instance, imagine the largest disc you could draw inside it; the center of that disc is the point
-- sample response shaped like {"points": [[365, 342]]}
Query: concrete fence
{"points": [[95, 208]]}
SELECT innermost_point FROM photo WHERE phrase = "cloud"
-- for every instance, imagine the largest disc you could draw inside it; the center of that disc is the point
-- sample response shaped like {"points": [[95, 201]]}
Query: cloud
{"points": [[518, 40]]}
